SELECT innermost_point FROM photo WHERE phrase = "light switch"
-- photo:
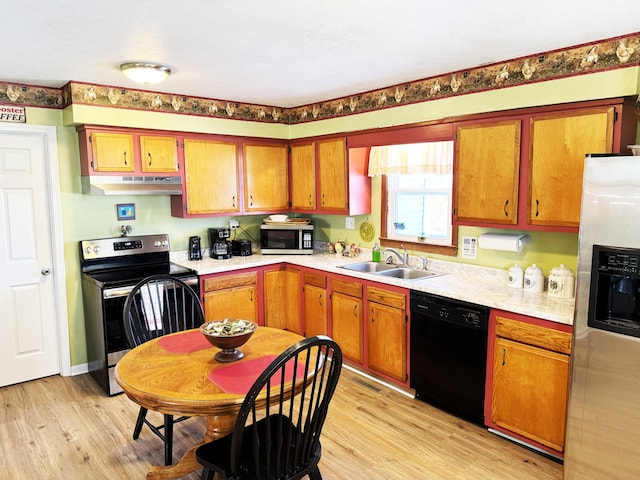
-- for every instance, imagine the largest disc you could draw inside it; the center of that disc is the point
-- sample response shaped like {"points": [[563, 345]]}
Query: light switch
{"points": [[350, 223]]}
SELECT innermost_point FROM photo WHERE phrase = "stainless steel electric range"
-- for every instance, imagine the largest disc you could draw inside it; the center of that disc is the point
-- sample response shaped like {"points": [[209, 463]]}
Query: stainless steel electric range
{"points": [[111, 267]]}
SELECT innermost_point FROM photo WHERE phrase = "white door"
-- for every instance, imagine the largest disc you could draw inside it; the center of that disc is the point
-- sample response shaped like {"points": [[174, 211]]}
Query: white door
{"points": [[29, 330]]}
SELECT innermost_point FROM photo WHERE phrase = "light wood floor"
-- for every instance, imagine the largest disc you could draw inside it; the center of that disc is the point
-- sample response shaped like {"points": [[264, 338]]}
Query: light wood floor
{"points": [[66, 428]]}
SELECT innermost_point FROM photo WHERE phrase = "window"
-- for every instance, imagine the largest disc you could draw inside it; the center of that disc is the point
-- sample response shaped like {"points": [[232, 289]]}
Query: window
{"points": [[417, 193]]}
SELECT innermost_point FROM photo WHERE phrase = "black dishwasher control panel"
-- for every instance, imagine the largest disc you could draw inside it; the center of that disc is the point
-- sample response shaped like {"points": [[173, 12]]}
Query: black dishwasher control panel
{"points": [[449, 310]]}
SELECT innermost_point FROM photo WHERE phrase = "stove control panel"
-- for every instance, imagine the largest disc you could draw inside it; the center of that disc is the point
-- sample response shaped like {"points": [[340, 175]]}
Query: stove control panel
{"points": [[122, 246]]}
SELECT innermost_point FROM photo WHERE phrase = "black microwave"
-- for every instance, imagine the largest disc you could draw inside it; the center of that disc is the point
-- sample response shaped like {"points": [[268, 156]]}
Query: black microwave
{"points": [[292, 239]]}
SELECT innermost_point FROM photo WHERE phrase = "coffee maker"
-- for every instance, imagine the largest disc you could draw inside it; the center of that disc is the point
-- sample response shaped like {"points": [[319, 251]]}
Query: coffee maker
{"points": [[219, 244]]}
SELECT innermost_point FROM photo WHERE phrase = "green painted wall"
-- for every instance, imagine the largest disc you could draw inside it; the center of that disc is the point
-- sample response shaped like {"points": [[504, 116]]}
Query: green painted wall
{"points": [[94, 217]]}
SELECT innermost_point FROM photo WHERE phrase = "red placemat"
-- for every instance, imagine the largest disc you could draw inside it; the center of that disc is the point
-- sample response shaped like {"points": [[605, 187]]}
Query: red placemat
{"points": [[238, 377], [185, 342]]}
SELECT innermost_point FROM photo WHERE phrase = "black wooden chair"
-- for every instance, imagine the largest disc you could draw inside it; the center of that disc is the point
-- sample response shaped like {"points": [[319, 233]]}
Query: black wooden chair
{"points": [[159, 305], [277, 434]]}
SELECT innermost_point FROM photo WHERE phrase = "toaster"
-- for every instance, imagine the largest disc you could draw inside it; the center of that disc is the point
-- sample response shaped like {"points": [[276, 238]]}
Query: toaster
{"points": [[241, 248]]}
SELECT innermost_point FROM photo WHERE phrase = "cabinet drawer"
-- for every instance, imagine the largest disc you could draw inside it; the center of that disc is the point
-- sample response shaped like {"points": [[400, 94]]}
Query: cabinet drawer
{"points": [[315, 279], [348, 288], [385, 297], [535, 335], [230, 281]]}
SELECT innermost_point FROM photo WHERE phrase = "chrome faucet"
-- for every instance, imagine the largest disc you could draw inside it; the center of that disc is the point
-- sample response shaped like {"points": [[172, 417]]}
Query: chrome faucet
{"points": [[404, 258]]}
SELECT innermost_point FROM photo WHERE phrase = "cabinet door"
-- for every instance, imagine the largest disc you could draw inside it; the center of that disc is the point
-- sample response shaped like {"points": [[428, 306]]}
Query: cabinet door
{"points": [[239, 302], [530, 391], [559, 143], [332, 162], [112, 152], [387, 340], [266, 185], [315, 310], [486, 174], [158, 154], [303, 177], [346, 325], [282, 300], [211, 177]]}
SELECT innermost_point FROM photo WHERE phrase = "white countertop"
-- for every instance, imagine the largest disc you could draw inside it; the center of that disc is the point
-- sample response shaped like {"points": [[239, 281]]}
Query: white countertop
{"points": [[480, 285]]}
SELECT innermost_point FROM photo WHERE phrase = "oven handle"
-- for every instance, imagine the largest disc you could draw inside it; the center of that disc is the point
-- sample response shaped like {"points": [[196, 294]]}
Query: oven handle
{"points": [[126, 290]]}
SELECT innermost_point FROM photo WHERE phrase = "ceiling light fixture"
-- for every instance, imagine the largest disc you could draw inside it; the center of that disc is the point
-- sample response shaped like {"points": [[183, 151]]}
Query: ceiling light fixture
{"points": [[146, 73]]}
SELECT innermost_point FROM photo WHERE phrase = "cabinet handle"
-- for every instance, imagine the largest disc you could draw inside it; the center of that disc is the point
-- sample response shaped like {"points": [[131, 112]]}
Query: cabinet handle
{"points": [[355, 311], [150, 158], [251, 200], [251, 295], [504, 356], [373, 315], [309, 199], [323, 199], [506, 214], [537, 205], [233, 201], [320, 299], [125, 157]]}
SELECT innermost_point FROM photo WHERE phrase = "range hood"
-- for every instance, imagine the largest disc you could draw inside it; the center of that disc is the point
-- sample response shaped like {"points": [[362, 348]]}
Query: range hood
{"points": [[131, 185]]}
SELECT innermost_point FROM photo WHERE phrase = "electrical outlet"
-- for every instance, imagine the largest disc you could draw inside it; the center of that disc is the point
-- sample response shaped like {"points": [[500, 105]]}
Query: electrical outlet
{"points": [[233, 224], [350, 223]]}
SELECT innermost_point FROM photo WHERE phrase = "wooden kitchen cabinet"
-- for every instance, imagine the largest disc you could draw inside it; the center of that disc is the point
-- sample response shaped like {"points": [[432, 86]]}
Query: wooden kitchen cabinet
{"points": [[487, 157], [159, 154], [212, 179], [282, 299], [106, 151], [266, 178], [315, 304], [303, 175], [343, 184], [387, 332], [231, 296], [559, 143], [347, 318], [530, 379]]}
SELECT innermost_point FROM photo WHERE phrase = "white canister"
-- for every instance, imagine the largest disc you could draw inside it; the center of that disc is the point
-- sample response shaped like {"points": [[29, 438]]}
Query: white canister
{"points": [[562, 282], [534, 279], [515, 276]]}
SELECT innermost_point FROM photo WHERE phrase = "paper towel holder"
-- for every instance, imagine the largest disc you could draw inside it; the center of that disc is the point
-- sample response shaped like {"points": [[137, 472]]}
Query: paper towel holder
{"points": [[508, 242]]}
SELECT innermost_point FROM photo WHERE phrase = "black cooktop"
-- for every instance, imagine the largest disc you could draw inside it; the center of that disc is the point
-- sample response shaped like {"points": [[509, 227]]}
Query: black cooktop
{"points": [[131, 275]]}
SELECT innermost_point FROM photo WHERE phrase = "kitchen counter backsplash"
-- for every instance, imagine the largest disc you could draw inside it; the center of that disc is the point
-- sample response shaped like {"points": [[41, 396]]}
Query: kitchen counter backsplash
{"points": [[470, 283]]}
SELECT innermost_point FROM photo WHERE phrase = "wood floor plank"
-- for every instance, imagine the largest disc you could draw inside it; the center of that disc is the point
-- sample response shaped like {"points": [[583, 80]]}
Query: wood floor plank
{"points": [[66, 428]]}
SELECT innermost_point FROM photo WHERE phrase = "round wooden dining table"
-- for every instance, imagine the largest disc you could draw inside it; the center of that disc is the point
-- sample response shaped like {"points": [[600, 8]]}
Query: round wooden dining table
{"points": [[178, 375]]}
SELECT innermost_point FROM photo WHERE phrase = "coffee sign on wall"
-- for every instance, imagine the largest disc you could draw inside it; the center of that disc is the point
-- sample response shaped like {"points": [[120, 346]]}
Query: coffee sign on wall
{"points": [[12, 113]]}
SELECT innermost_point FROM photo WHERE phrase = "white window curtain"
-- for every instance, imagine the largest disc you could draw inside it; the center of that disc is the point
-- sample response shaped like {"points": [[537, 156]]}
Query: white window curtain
{"points": [[414, 158]]}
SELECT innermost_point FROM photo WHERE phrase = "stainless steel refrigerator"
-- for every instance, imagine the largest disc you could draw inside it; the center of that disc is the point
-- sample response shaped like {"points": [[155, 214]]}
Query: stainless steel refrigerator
{"points": [[603, 421]]}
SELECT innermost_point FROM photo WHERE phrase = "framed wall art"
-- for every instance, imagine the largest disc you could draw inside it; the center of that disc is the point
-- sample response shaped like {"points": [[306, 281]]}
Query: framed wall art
{"points": [[126, 211]]}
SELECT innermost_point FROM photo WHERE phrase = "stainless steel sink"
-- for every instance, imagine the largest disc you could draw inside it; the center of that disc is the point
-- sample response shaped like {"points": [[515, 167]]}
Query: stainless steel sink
{"points": [[370, 267], [390, 270], [408, 274]]}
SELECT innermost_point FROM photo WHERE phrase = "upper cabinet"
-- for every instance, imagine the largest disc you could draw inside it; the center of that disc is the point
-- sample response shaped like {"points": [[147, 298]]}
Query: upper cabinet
{"points": [[106, 151], [266, 179], [487, 169], [159, 154], [558, 145], [212, 182], [329, 178], [303, 175], [523, 169]]}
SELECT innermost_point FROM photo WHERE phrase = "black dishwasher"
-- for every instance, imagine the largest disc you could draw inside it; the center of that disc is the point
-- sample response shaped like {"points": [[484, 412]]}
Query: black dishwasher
{"points": [[448, 353]]}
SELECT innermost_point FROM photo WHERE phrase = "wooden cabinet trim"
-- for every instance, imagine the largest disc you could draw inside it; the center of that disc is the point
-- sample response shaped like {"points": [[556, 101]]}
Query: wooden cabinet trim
{"points": [[352, 289], [385, 297], [315, 279], [230, 281], [534, 335]]}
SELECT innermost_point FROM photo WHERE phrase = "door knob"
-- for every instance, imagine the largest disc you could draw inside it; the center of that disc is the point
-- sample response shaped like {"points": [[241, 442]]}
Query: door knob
{"points": [[45, 271]]}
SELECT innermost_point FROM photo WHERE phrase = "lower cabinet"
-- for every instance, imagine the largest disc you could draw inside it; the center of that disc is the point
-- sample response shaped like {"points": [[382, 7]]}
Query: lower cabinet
{"points": [[346, 318], [529, 379], [315, 304], [231, 296], [387, 333], [282, 299]]}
